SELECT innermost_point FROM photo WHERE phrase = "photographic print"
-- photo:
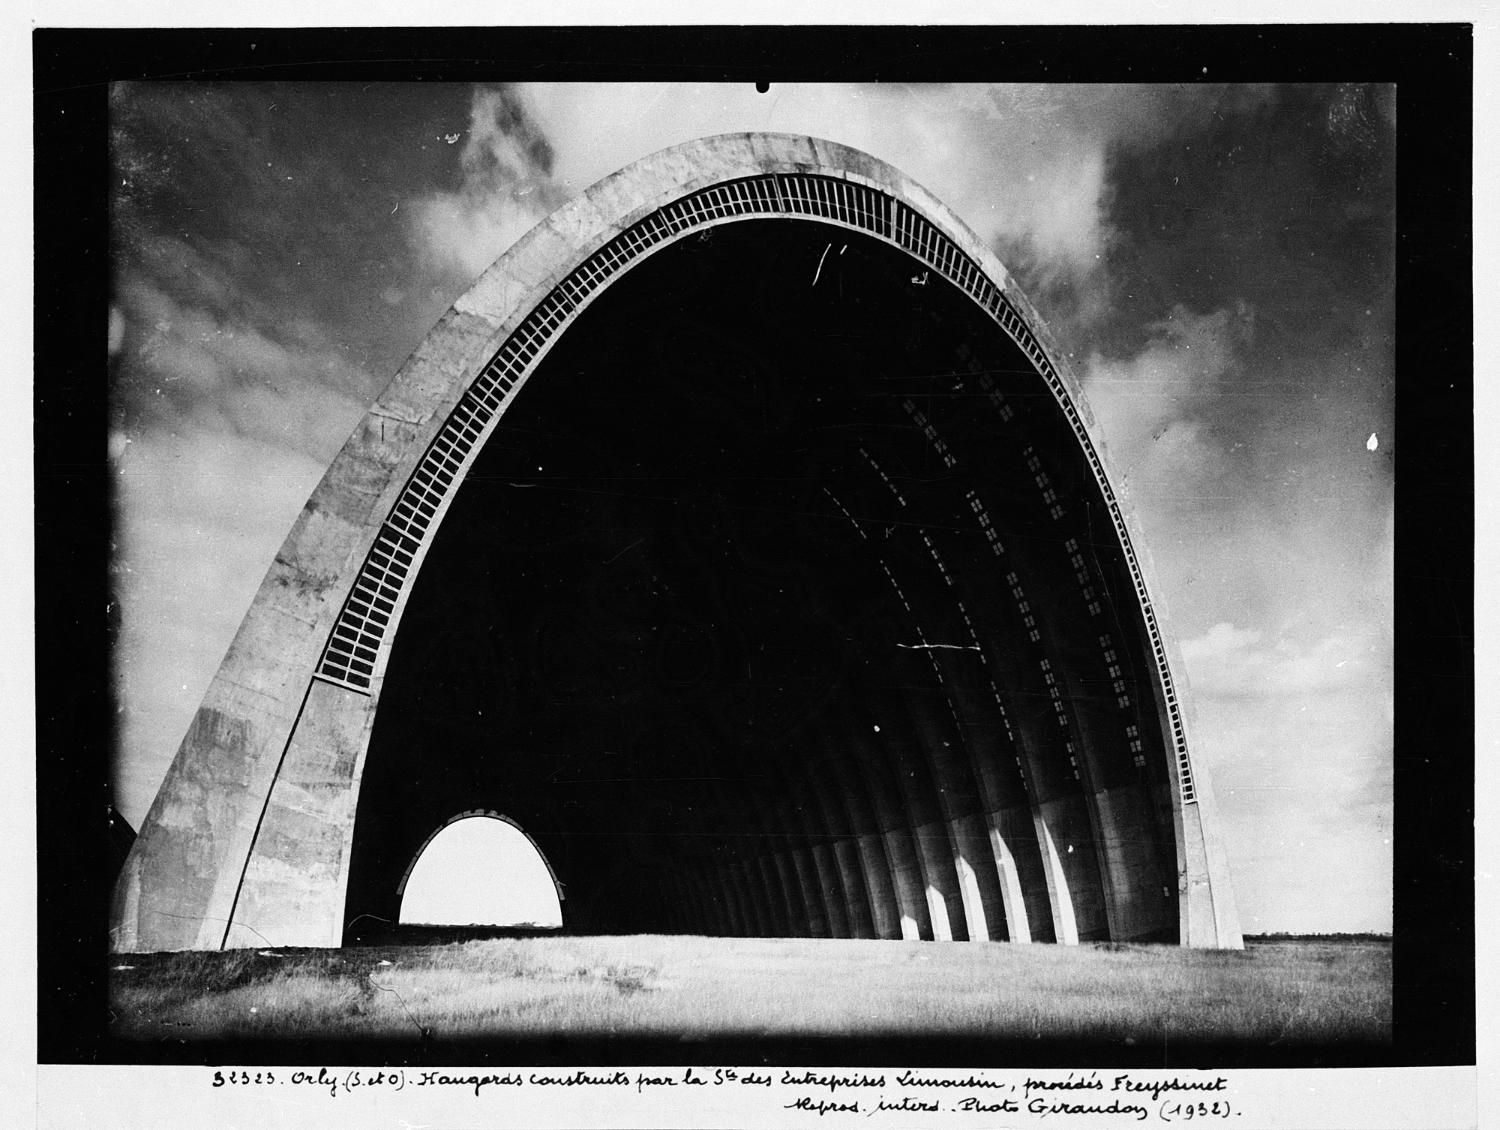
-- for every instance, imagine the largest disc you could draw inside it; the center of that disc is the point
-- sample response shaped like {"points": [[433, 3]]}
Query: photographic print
{"points": [[631, 572]]}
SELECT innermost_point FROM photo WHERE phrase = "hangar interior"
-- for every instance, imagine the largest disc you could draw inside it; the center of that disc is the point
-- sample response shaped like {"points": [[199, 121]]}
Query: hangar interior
{"points": [[783, 601]]}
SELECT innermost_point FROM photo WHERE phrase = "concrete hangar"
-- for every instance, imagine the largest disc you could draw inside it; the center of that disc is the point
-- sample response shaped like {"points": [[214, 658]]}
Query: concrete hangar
{"points": [[742, 537]]}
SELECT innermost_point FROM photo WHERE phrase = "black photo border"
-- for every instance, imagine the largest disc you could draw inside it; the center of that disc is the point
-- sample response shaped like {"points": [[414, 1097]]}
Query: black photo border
{"points": [[1432, 66]]}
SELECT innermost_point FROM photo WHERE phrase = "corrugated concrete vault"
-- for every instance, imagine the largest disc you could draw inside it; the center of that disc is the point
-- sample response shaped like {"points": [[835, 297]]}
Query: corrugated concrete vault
{"points": [[742, 537]]}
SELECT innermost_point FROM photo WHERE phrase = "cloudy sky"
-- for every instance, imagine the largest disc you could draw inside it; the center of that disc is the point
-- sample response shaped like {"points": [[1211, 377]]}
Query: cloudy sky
{"points": [[1217, 261]]}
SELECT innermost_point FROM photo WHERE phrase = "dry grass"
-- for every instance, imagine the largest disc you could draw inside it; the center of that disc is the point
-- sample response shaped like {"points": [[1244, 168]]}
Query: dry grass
{"points": [[646, 986]]}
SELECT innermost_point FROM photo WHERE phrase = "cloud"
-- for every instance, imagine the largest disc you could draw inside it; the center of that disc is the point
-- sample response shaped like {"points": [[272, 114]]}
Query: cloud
{"points": [[1299, 741], [507, 189], [1156, 409], [184, 366], [1235, 662], [209, 510], [226, 417], [1303, 782], [1254, 502], [1026, 167]]}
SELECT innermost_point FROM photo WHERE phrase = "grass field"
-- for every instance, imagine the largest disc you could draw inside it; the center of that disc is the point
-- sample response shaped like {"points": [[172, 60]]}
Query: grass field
{"points": [[1282, 993]]}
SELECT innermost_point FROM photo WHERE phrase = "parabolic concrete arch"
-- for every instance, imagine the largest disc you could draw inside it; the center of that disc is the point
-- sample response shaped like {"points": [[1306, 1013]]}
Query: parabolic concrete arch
{"points": [[744, 536]]}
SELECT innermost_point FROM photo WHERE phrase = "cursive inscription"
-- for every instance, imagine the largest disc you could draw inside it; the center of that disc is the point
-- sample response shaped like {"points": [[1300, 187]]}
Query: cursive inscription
{"points": [[901, 1097]]}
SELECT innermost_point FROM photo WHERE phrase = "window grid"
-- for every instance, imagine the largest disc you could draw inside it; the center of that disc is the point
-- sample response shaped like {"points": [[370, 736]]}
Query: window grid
{"points": [[929, 432], [886, 479], [943, 571]]}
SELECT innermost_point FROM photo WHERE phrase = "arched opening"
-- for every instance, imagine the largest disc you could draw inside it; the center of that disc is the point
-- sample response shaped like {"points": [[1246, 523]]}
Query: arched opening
{"points": [[764, 584], [480, 870], [788, 597]]}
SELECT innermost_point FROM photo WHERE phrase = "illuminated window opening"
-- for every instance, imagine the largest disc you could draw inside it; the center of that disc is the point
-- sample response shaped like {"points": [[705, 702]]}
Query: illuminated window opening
{"points": [[480, 869]]}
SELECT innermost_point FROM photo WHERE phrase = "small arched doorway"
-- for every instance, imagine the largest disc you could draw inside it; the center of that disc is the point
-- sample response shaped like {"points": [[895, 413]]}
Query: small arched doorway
{"points": [[480, 870]]}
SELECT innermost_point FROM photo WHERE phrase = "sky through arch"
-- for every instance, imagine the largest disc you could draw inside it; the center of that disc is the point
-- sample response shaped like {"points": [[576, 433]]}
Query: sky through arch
{"points": [[481, 871]]}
